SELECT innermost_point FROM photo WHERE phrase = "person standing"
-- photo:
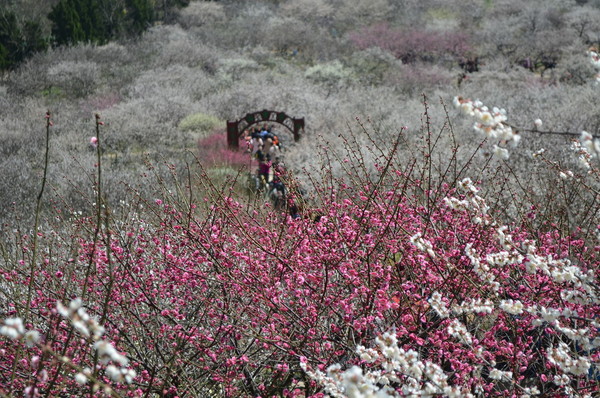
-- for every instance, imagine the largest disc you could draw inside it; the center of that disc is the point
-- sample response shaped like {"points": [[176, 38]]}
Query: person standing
{"points": [[264, 169], [256, 144]]}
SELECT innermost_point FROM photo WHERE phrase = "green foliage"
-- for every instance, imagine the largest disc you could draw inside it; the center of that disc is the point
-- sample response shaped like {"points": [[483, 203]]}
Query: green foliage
{"points": [[34, 40], [200, 122], [9, 32], [4, 57], [52, 92], [329, 74], [66, 23], [76, 21], [163, 8], [18, 41], [139, 14], [98, 21]]}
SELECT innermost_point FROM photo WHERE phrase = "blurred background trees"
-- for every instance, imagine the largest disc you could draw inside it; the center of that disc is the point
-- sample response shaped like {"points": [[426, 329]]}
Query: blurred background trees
{"points": [[24, 32]]}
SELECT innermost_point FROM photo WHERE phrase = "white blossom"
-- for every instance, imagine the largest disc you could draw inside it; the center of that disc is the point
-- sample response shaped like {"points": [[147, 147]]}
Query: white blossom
{"points": [[438, 305], [457, 330], [500, 152], [107, 352], [497, 374], [13, 328], [81, 379], [560, 356], [512, 307], [491, 123], [31, 337], [422, 244], [120, 375]]}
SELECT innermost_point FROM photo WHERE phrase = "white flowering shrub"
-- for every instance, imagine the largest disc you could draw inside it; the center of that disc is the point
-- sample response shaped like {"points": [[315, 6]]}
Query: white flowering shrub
{"points": [[372, 66], [316, 11], [77, 78], [115, 363], [330, 74], [202, 13], [352, 13], [595, 61], [232, 70], [200, 121]]}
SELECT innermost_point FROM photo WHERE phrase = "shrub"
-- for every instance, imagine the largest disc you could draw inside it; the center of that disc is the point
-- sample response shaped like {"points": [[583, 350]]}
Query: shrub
{"points": [[538, 39], [331, 74], [202, 13], [357, 13], [419, 77], [170, 45], [411, 45], [200, 122], [76, 78], [371, 65], [231, 70], [298, 40], [315, 11], [214, 153]]}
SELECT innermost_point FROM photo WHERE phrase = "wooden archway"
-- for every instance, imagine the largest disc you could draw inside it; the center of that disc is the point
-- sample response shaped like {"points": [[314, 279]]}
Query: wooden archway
{"points": [[237, 127]]}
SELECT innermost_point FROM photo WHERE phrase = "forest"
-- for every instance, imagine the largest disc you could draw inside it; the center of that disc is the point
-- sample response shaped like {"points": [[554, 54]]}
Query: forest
{"points": [[445, 237]]}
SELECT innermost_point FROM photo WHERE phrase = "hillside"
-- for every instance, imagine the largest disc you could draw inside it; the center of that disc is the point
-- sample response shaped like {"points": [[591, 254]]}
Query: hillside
{"points": [[326, 61]]}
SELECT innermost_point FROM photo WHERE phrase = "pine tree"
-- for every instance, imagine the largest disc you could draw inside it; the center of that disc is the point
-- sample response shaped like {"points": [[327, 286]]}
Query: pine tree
{"points": [[33, 38], [66, 23], [140, 15], [112, 15], [18, 43], [5, 62], [10, 36]]}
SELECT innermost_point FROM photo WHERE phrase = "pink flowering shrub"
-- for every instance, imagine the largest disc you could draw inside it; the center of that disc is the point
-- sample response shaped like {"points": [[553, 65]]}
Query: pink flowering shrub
{"points": [[413, 44], [213, 151], [402, 275]]}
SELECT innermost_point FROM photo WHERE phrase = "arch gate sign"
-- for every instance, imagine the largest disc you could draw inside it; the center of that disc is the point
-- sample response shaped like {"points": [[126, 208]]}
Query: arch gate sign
{"points": [[236, 128]]}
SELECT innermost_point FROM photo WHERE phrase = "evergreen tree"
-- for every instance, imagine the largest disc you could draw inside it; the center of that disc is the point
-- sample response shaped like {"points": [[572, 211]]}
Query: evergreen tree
{"points": [[66, 23], [4, 58], [112, 15], [98, 21], [74, 21], [140, 15], [16, 42], [10, 36], [95, 21], [33, 38]]}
